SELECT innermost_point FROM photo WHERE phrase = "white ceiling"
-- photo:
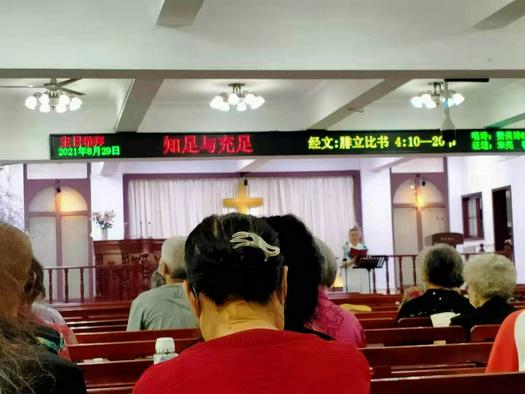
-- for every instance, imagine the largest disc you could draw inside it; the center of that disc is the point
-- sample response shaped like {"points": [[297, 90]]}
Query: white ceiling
{"points": [[259, 35], [203, 90], [311, 60]]}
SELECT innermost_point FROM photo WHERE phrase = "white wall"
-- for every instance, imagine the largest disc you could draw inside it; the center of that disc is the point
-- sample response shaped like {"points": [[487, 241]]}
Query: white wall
{"points": [[476, 174], [377, 215], [107, 194]]}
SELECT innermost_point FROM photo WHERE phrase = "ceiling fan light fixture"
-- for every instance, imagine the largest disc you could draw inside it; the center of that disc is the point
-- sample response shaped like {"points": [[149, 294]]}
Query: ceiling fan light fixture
{"points": [[45, 108], [60, 108], [75, 104], [238, 99], [64, 99], [31, 102], [433, 98], [44, 99]]}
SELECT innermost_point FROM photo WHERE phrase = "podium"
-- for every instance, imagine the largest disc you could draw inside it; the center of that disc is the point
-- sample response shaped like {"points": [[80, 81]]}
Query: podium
{"points": [[370, 263], [124, 267]]}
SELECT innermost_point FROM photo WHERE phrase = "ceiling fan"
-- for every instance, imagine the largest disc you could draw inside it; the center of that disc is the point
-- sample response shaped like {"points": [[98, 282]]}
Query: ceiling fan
{"points": [[56, 97]]}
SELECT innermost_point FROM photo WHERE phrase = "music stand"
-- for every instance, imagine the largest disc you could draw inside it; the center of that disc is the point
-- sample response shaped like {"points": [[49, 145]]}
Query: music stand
{"points": [[369, 263]]}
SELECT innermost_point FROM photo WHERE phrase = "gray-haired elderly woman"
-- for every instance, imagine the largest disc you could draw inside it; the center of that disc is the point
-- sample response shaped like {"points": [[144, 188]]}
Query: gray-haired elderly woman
{"points": [[330, 318], [440, 269], [491, 281]]}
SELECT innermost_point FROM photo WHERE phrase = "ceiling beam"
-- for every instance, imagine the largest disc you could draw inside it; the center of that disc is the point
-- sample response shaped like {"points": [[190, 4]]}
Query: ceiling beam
{"points": [[109, 167], [508, 121], [503, 17], [391, 162], [357, 104], [251, 165], [178, 13], [258, 74], [139, 97]]}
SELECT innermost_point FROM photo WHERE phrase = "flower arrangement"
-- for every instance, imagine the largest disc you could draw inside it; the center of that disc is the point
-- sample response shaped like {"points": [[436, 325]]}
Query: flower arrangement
{"points": [[104, 220]]}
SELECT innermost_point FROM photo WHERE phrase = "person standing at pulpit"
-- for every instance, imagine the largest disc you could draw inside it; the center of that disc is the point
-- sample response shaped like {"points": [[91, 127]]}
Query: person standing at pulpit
{"points": [[354, 280], [164, 307]]}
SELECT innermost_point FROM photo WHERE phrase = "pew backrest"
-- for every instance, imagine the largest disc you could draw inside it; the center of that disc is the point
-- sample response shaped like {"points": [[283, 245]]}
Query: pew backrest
{"points": [[121, 350], [475, 383], [414, 322], [125, 372], [484, 333], [414, 335], [384, 322], [126, 336], [463, 354]]}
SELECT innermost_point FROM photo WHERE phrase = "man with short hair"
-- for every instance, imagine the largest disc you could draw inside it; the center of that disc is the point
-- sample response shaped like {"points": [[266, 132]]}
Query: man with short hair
{"points": [[165, 306]]}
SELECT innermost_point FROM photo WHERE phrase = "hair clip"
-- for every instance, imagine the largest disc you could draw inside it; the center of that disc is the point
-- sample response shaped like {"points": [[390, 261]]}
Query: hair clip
{"points": [[243, 238]]}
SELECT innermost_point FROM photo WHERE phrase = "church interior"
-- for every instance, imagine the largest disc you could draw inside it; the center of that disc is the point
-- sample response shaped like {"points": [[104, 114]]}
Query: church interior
{"points": [[394, 132]]}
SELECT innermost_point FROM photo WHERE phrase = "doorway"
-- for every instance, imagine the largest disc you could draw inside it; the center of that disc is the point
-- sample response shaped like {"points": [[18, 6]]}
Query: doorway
{"points": [[502, 214], [418, 210]]}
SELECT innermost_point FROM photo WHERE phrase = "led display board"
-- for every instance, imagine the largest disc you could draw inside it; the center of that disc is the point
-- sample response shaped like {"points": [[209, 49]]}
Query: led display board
{"points": [[274, 143]]}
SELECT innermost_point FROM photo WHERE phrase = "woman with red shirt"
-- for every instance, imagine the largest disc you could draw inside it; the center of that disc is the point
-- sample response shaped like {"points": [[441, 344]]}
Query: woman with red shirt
{"points": [[237, 286]]}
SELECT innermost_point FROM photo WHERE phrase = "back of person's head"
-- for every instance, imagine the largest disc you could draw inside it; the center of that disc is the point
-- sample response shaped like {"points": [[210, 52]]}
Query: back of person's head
{"points": [[442, 266], [304, 270], [172, 255], [157, 280], [15, 262], [328, 263], [490, 275], [34, 287], [234, 257], [19, 367]]}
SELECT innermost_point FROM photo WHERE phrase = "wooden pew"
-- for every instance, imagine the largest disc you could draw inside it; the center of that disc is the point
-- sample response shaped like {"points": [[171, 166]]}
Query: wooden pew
{"points": [[127, 336], [121, 389], [376, 315], [385, 322], [384, 360], [86, 329], [478, 383], [111, 373], [87, 311], [94, 323], [414, 335], [484, 333], [122, 350], [414, 322]]}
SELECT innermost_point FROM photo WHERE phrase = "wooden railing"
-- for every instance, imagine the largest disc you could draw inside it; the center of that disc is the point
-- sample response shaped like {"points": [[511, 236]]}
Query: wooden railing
{"points": [[125, 281]]}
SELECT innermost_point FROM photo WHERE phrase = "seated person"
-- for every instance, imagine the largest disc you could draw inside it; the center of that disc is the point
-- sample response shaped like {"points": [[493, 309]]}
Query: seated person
{"points": [[157, 280], [508, 351], [491, 280], [25, 366], [303, 260], [330, 318], [440, 268], [44, 315], [237, 287], [165, 306]]}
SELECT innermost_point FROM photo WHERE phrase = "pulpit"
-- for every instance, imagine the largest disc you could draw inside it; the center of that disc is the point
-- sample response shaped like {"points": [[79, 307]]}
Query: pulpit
{"points": [[452, 239], [123, 268]]}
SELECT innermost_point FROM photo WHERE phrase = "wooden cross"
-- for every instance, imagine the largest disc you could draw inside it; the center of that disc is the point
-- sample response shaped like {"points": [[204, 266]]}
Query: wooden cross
{"points": [[243, 202]]}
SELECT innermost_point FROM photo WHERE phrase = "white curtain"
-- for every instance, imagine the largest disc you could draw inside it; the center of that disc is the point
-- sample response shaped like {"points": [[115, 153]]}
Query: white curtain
{"points": [[162, 208], [324, 204]]}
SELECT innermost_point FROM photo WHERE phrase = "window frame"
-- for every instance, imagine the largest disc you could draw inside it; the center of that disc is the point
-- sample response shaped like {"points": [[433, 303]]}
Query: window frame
{"points": [[465, 199]]}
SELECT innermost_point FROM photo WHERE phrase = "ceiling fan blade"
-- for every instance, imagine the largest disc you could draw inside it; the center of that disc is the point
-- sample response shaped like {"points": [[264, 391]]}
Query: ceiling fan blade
{"points": [[68, 81], [76, 93], [503, 17]]}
